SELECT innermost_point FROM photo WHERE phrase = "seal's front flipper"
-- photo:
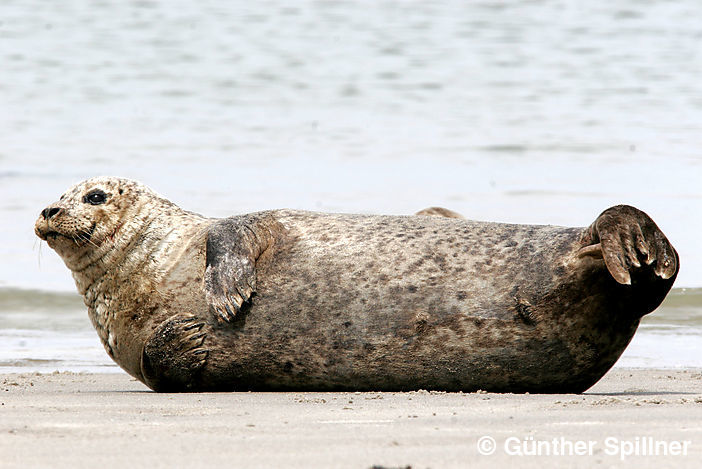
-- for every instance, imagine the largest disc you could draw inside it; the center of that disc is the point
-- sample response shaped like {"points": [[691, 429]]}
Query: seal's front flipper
{"points": [[627, 239], [233, 245], [174, 354]]}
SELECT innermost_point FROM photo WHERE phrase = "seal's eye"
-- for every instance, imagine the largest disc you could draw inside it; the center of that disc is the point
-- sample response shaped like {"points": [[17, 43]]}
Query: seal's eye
{"points": [[96, 197]]}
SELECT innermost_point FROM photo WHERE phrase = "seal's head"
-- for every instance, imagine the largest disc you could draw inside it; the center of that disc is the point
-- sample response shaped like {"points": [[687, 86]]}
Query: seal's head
{"points": [[92, 218]]}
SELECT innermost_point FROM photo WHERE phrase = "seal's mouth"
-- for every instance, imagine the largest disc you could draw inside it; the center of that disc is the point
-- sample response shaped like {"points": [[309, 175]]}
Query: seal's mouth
{"points": [[81, 238], [46, 235], [51, 235]]}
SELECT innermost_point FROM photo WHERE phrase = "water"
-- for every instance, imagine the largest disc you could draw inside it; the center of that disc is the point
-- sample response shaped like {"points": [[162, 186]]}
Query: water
{"points": [[671, 336], [518, 111], [45, 332]]}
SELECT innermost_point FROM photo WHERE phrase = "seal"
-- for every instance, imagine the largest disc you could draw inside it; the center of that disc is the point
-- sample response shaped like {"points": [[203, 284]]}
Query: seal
{"points": [[293, 300], [439, 212]]}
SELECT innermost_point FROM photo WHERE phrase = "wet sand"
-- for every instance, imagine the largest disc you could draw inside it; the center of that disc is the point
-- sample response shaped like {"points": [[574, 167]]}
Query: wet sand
{"points": [[111, 420]]}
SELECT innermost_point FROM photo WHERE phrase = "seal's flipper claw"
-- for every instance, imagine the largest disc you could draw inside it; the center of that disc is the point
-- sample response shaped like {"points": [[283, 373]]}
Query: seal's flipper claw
{"points": [[614, 257], [193, 325], [632, 256], [221, 310], [641, 245], [651, 252], [233, 246], [231, 312], [667, 263], [593, 250]]}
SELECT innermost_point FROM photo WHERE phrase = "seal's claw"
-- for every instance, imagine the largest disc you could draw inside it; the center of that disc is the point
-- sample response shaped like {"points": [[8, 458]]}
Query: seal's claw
{"points": [[616, 263], [246, 291], [229, 304], [235, 300], [593, 250], [193, 325], [632, 256], [231, 311], [666, 261], [641, 245], [225, 311]]}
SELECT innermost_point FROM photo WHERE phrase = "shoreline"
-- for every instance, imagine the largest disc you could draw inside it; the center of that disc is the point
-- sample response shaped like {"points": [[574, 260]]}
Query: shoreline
{"points": [[111, 420]]}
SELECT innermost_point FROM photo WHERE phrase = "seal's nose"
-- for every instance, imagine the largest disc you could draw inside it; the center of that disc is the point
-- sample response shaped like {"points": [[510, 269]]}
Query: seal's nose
{"points": [[49, 212]]}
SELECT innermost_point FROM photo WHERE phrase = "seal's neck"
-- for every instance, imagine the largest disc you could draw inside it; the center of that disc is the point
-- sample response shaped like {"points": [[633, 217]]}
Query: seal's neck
{"points": [[139, 248], [121, 277]]}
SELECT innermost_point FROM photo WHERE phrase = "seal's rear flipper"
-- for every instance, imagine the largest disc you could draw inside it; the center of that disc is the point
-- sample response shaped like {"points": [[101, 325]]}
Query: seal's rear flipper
{"points": [[625, 237], [233, 245]]}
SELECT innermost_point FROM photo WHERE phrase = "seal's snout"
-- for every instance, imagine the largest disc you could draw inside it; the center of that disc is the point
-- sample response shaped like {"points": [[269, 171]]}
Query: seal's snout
{"points": [[45, 222], [49, 212]]}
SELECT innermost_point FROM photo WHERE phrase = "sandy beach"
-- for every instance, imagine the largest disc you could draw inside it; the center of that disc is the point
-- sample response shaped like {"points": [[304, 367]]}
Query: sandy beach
{"points": [[111, 420]]}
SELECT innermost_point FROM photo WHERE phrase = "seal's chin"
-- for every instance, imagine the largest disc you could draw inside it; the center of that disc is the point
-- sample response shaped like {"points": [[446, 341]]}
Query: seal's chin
{"points": [[46, 234], [51, 235]]}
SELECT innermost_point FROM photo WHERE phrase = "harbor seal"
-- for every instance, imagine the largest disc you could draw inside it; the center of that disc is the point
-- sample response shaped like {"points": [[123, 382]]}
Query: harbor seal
{"points": [[296, 300], [439, 212]]}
